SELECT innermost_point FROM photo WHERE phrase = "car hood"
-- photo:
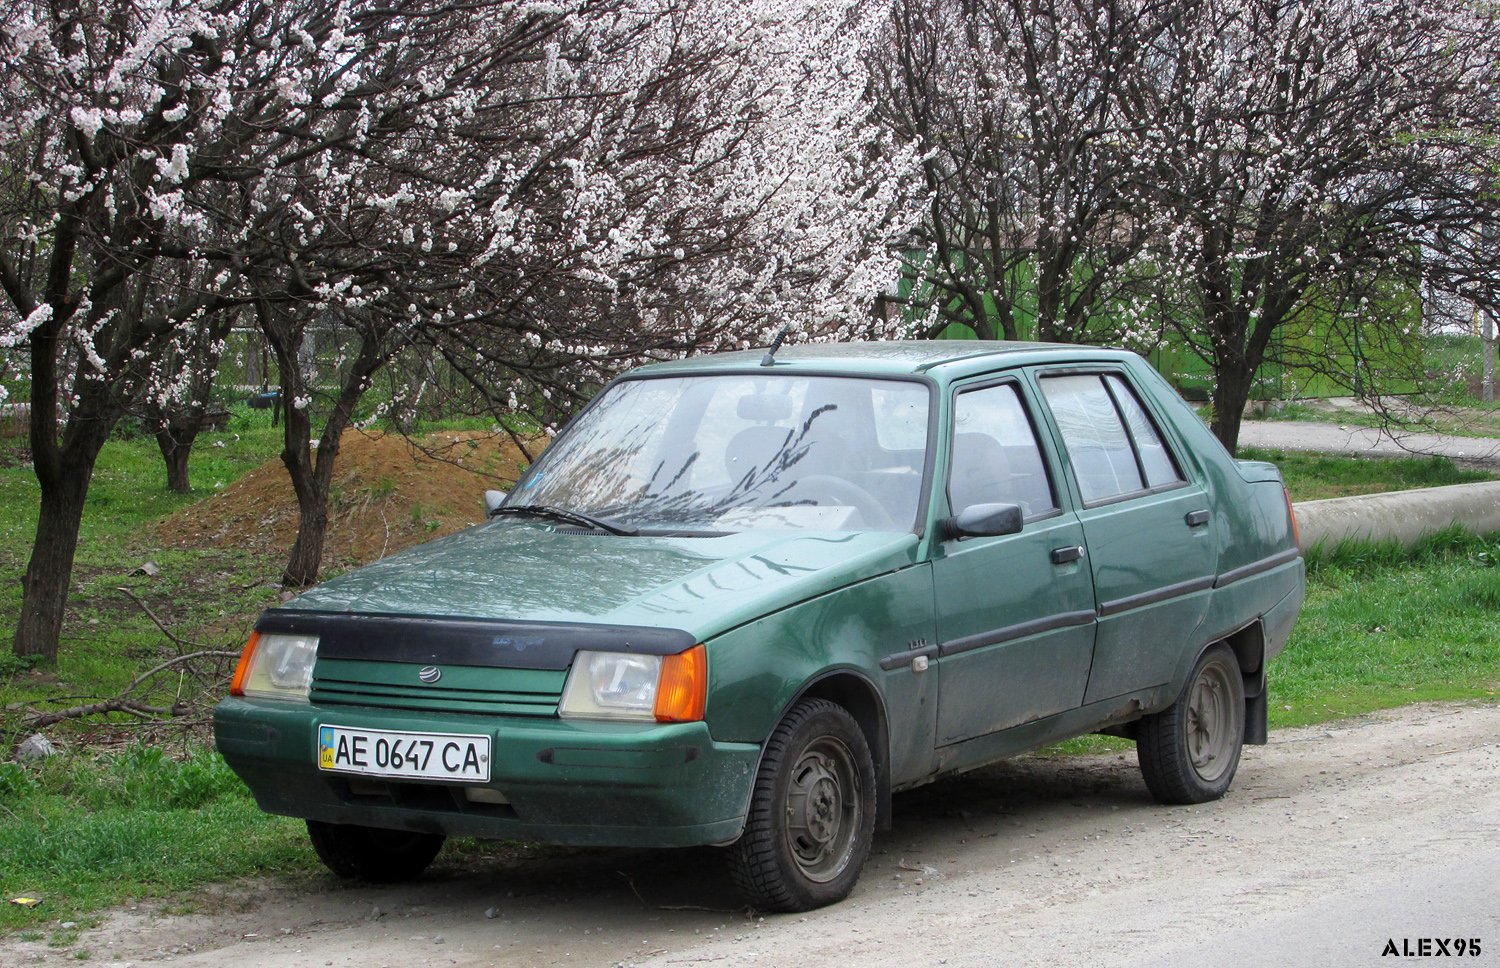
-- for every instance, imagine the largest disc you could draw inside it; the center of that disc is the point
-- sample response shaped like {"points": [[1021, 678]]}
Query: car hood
{"points": [[528, 571]]}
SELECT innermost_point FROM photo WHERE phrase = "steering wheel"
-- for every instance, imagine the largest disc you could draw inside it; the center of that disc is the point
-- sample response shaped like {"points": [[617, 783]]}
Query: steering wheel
{"points": [[872, 513]]}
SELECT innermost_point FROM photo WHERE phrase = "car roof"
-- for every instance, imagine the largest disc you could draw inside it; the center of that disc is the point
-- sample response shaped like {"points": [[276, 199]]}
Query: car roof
{"points": [[946, 359]]}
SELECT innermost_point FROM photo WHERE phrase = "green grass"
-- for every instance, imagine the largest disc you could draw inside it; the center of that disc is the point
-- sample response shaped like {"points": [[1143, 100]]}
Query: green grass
{"points": [[209, 595], [1311, 477], [206, 594], [89, 829], [85, 832], [97, 826], [128, 490], [1449, 404], [1384, 626]]}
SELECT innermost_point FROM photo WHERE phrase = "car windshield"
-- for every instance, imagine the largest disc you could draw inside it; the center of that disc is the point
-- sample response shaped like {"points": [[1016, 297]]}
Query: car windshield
{"points": [[734, 453]]}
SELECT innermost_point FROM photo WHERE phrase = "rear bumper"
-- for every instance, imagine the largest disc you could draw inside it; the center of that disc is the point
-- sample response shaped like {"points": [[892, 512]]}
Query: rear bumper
{"points": [[1278, 621], [566, 782]]}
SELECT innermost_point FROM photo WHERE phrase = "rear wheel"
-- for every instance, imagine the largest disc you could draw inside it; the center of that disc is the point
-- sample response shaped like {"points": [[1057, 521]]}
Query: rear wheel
{"points": [[372, 853], [1190, 750], [812, 812]]}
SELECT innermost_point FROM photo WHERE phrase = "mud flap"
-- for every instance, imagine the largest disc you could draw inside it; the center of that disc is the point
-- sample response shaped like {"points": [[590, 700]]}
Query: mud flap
{"points": [[1256, 726]]}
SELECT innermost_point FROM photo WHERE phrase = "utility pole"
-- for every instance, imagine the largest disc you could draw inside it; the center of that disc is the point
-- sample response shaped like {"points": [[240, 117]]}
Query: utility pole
{"points": [[1487, 341]]}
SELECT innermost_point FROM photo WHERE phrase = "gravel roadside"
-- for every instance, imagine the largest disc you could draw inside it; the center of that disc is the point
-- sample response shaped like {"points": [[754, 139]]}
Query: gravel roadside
{"points": [[1334, 841]]}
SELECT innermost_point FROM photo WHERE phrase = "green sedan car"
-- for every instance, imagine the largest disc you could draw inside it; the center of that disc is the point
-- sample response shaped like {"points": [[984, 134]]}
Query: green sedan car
{"points": [[743, 599]]}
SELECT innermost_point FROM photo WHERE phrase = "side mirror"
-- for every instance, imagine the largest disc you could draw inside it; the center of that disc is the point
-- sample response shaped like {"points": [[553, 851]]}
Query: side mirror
{"points": [[984, 521], [492, 502]]}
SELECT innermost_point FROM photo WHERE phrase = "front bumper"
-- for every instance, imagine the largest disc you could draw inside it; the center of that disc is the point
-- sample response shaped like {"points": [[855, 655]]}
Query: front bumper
{"points": [[566, 781]]}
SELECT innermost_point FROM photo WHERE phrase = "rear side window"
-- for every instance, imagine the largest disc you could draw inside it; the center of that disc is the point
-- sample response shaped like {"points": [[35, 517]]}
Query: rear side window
{"points": [[1112, 444], [1156, 460]]}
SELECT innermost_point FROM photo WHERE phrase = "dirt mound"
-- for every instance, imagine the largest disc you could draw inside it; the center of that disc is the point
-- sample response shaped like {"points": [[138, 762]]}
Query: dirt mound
{"points": [[388, 493]]}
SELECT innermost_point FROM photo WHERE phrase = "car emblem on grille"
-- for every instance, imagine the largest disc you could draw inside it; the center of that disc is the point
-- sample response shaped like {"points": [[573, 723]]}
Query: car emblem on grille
{"points": [[430, 674]]}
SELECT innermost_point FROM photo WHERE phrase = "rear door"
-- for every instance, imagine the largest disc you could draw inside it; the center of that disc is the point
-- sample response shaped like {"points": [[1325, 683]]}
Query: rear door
{"points": [[1146, 522], [1015, 612]]}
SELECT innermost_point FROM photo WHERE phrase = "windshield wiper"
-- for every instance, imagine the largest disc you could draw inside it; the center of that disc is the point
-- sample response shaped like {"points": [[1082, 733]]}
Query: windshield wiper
{"points": [[560, 514]]}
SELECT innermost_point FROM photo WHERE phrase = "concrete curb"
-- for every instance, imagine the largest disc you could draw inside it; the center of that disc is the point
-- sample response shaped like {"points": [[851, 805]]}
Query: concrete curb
{"points": [[1404, 516]]}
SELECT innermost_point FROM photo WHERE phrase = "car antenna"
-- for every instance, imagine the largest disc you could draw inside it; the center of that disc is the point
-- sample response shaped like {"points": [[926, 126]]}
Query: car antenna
{"points": [[770, 358]]}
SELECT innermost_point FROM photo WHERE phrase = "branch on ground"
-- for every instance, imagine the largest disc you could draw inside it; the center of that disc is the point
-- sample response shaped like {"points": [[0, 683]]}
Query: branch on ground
{"points": [[202, 675]]}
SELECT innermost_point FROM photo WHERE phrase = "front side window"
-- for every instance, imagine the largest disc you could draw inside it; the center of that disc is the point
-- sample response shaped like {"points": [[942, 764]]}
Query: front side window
{"points": [[732, 453], [1112, 444], [996, 459]]}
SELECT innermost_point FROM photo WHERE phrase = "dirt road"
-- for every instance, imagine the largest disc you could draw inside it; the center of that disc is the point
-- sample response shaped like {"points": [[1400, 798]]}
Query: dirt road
{"points": [[1335, 841]]}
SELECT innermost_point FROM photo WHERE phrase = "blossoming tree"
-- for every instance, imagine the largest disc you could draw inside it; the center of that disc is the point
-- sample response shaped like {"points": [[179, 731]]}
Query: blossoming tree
{"points": [[1019, 107], [1313, 168], [541, 191], [1261, 181]]}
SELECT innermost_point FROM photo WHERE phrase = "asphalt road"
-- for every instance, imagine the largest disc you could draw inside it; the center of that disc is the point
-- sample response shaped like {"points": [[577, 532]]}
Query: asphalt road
{"points": [[1347, 439]]}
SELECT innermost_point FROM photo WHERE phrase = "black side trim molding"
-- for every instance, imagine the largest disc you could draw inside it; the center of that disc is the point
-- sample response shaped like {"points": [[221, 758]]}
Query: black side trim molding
{"points": [[899, 659], [1256, 567], [469, 642], [1061, 620], [1156, 595]]}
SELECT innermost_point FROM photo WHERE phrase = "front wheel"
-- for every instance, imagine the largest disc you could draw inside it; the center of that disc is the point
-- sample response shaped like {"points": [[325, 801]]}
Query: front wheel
{"points": [[372, 853], [1190, 750], [812, 812]]}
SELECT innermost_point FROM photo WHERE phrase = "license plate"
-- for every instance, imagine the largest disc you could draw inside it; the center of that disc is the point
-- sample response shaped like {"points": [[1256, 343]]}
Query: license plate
{"points": [[424, 756]]}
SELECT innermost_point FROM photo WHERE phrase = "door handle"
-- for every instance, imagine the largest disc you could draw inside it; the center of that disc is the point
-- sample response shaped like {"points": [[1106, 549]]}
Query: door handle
{"points": [[1061, 556], [1196, 519]]}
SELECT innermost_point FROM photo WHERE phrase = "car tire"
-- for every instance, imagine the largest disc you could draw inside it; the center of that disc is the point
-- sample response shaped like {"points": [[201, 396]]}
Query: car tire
{"points": [[1189, 751], [812, 812], [371, 853]]}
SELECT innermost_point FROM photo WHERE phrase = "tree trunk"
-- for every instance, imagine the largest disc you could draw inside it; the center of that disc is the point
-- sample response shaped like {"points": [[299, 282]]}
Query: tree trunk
{"points": [[1048, 293], [1231, 393], [312, 529], [1487, 341], [1005, 311], [63, 465], [175, 441], [45, 586], [310, 480], [178, 422]]}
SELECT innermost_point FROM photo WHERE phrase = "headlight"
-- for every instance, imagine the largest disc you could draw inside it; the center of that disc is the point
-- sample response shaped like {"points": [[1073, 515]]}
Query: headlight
{"points": [[276, 666], [622, 685]]}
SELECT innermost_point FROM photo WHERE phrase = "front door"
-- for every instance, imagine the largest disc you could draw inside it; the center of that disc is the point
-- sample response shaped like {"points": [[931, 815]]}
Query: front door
{"points": [[1015, 612]]}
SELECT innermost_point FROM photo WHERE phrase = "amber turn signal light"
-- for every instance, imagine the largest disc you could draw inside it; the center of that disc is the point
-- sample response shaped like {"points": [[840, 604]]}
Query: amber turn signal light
{"points": [[237, 684], [682, 691]]}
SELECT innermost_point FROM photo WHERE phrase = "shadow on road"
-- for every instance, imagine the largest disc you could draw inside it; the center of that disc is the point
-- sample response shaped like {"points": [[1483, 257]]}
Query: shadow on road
{"points": [[932, 824]]}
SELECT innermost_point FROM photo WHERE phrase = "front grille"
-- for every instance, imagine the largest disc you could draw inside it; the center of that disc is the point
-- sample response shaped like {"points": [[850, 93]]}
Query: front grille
{"points": [[462, 689]]}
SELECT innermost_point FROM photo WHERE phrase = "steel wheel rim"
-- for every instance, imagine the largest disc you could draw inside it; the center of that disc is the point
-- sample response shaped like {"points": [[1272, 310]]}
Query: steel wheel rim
{"points": [[822, 810], [1211, 723]]}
